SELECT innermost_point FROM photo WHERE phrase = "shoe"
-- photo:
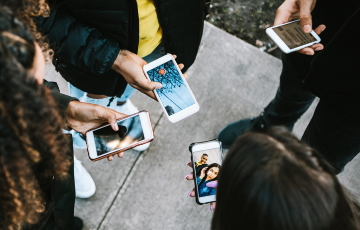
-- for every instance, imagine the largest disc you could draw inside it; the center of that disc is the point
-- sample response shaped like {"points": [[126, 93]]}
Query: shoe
{"points": [[77, 223], [84, 183], [232, 131], [79, 141], [129, 108]]}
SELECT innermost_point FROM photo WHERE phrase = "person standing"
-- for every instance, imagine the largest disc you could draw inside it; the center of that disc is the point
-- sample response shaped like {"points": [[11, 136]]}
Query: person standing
{"points": [[329, 70]]}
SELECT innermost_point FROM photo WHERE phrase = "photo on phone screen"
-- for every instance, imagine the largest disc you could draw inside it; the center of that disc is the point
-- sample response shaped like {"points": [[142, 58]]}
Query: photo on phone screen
{"points": [[174, 95], [130, 131], [293, 36], [207, 165]]}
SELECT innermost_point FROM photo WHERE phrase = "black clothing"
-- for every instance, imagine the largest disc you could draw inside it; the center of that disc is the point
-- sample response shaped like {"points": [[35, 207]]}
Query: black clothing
{"points": [[62, 100], [199, 168], [59, 211], [333, 75], [88, 35]]}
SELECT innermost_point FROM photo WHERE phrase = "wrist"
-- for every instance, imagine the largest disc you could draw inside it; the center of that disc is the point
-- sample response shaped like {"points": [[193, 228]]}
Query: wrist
{"points": [[117, 63], [70, 112]]}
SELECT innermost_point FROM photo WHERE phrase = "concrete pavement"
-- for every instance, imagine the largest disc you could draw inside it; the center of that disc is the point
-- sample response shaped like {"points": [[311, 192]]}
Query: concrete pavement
{"points": [[231, 80]]}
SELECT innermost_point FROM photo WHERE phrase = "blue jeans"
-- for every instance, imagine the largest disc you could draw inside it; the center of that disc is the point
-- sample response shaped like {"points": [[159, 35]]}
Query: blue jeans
{"points": [[129, 91], [332, 131]]}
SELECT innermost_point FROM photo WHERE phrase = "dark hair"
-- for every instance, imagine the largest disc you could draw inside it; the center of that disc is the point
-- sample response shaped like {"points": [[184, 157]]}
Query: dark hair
{"points": [[17, 38], [205, 154], [213, 165], [32, 146], [274, 181], [25, 11]]}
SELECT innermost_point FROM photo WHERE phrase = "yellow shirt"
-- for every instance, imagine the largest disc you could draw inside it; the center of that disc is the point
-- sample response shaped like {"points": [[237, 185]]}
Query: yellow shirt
{"points": [[150, 34]]}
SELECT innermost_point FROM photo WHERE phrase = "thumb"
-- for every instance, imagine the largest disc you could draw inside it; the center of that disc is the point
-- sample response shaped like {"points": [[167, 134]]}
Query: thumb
{"points": [[305, 15], [148, 85], [212, 184]]}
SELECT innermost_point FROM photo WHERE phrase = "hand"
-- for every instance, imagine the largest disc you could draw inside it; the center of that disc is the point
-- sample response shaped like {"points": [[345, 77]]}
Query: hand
{"points": [[295, 9], [130, 66], [212, 184], [83, 117], [202, 173]]}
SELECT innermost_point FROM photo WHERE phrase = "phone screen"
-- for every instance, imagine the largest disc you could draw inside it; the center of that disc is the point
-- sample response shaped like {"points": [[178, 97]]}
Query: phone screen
{"points": [[293, 36], [207, 165], [130, 131], [174, 95]]}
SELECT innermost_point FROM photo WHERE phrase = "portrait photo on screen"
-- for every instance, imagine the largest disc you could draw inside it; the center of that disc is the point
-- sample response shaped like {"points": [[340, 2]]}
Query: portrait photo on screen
{"points": [[207, 168], [174, 94], [130, 131]]}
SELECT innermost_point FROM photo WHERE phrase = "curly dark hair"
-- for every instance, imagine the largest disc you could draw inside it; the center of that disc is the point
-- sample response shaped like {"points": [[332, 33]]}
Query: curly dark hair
{"points": [[25, 11], [32, 147]]}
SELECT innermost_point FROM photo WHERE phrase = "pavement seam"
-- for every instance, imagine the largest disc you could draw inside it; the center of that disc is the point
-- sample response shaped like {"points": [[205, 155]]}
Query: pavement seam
{"points": [[128, 177]]}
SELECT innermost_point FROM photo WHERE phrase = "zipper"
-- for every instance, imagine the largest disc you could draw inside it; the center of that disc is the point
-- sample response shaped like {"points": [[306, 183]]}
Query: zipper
{"points": [[327, 47]]}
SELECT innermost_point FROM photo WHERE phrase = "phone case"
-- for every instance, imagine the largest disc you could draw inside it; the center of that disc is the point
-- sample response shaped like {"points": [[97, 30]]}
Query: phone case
{"points": [[193, 163], [122, 150]]}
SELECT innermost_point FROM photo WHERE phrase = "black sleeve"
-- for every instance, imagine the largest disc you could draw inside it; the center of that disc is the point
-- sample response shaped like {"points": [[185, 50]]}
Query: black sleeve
{"points": [[61, 100], [80, 44]]}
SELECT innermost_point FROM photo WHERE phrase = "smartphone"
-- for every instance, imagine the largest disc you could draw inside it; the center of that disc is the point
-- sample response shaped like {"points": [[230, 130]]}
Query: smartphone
{"points": [[134, 130], [175, 96], [290, 37], [206, 158]]}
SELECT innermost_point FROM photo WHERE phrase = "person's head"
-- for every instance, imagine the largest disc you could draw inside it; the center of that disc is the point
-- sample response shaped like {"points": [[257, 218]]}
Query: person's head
{"points": [[22, 44], [204, 158], [32, 146], [211, 173], [274, 181]]}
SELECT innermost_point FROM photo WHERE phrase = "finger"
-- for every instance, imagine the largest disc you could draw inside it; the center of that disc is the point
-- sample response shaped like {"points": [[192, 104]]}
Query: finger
{"points": [[191, 193], [185, 75], [317, 47], [110, 158], [212, 206], [189, 176], [121, 154], [305, 15], [148, 93], [174, 56], [212, 184], [181, 66], [283, 14], [307, 51], [190, 164], [319, 29]]}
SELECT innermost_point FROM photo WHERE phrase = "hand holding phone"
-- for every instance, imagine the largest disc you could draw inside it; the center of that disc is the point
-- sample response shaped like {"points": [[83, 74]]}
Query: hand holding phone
{"points": [[290, 37], [175, 96], [295, 9], [206, 159], [134, 130]]}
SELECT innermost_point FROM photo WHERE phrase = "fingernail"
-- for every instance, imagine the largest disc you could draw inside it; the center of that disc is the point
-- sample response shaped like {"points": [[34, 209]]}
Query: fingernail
{"points": [[323, 28], [188, 163], [308, 53], [188, 196], [307, 28], [212, 184], [116, 127], [158, 86], [211, 208], [186, 176], [318, 48]]}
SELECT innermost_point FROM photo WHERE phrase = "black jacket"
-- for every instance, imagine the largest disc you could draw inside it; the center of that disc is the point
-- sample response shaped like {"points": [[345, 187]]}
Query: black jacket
{"points": [[333, 74], [88, 35]]}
